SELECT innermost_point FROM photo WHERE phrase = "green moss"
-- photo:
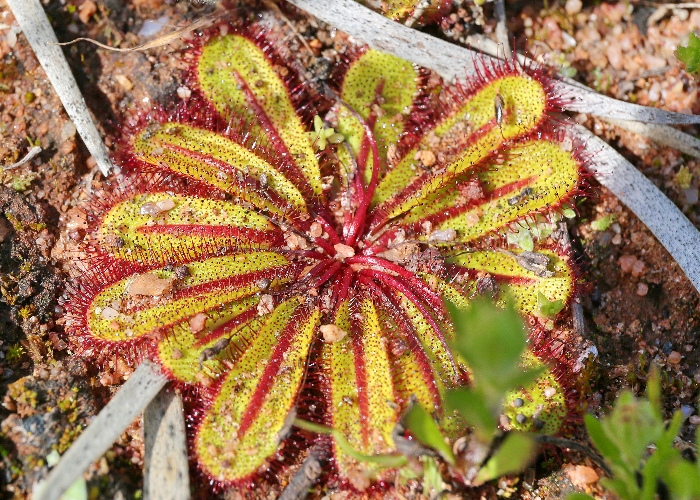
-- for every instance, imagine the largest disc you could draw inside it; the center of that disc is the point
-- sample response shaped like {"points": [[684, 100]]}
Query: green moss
{"points": [[14, 221], [67, 404], [683, 178], [69, 435], [14, 353], [22, 182]]}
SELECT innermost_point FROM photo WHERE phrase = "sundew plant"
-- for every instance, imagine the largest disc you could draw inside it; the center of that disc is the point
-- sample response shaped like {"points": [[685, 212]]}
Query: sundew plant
{"points": [[285, 250]]}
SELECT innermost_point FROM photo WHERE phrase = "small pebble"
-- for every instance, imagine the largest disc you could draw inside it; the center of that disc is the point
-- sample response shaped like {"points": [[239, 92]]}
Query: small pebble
{"points": [[266, 304], [152, 27], [184, 93], [687, 410], [150, 284], [427, 158], [86, 10], [11, 38], [674, 358], [343, 251], [625, 262], [615, 57], [573, 7], [520, 418], [68, 131], [582, 475], [694, 419], [331, 333], [198, 322], [124, 82], [518, 402], [504, 422], [667, 348], [109, 313], [642, 289], [638, 268], [67, 147], [316, 230]]}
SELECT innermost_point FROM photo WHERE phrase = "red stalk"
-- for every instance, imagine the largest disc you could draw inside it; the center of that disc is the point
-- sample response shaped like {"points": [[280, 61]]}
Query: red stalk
{"points": [[327, 247], [329, 273], [332, 234], [398, 285], [431, 297], [361, 213], [311, 254], [341, 288]]}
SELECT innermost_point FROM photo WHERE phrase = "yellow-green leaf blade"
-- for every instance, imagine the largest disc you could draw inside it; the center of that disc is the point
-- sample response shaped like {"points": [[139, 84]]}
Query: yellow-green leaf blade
{"points": [[238, 78], [502, 273], [214, 159], [465, 138], [362, 402], [146, 303], [158, 227], [241, 429], [381, 88]]}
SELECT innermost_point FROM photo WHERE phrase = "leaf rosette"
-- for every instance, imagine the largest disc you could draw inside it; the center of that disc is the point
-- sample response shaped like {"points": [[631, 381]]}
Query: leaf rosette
{"points": [[274, 280]]}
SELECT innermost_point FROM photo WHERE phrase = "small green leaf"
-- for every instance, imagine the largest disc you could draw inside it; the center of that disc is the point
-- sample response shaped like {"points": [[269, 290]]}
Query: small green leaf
{"points": [[522, 238], [432, 480], [549, 308], [425, 430], [569, 213], [472, 405], [513, 456], [690, 55], [654, 390], [52, 458], [600, 440], [682, 480], [322, 135], [603, 223], [626, 490], [491, 340], [579, 496], [632, 426], [76, 491]]}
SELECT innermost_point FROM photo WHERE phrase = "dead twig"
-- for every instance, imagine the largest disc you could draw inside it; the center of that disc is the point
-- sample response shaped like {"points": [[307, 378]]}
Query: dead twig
{"points": [[31, 154], [166, 470], [309, 472], [36, 27], [103, 431], [499, 10], [158, 42]]}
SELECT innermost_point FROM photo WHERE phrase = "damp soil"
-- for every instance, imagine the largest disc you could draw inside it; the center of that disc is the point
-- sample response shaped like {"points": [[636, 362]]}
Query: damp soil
{"points": [[638, 305]]}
